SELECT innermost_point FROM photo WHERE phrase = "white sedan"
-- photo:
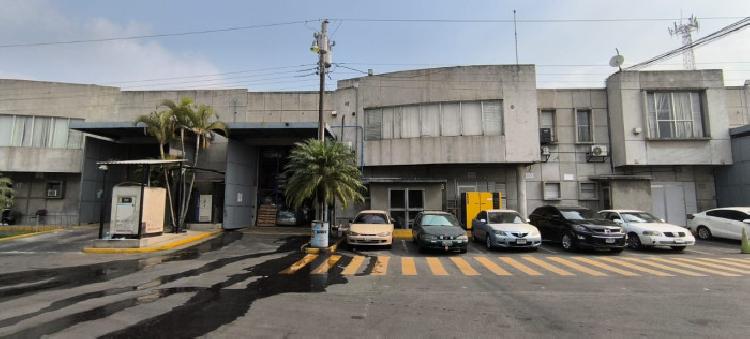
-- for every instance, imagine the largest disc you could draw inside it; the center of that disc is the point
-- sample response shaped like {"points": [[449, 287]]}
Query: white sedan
{"points": [[505, 228], [720, 222], [645, 230]]}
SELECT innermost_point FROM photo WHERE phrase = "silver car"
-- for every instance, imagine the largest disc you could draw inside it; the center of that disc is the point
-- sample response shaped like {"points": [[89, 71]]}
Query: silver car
{"points": [[505, 228]]}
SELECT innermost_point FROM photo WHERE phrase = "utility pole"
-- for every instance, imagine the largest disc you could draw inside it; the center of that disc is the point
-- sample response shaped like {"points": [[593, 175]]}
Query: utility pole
{"points": [[324, 48], [685, 30]]}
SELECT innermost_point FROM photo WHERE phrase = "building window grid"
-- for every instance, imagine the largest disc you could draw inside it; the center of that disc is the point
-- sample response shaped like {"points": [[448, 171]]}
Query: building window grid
{"points": [[375, 120], [677, 128], [552, 190], [587, 191], [24, 133], [586, 125]]}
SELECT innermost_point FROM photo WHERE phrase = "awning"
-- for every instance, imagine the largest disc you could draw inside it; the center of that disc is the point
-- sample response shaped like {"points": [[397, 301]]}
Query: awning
{"points": [[111, 130]]}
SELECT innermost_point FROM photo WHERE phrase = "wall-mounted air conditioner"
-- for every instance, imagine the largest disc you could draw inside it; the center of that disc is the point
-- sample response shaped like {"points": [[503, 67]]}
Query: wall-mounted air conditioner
{"points": [[599, 150]]}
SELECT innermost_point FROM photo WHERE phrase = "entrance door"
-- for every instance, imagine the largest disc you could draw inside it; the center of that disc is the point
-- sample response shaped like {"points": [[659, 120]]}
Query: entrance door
{"points": [[673, 201], [404, 204]]}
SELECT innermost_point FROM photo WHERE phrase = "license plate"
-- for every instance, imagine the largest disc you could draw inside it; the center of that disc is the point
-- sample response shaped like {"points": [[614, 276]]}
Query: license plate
{"points": [[679, 241], [521, 241], [447, 243], [610, 240]]}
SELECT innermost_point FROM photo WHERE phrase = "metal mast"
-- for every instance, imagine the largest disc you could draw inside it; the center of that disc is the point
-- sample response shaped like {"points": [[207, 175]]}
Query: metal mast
{"points": [[685, 28]]}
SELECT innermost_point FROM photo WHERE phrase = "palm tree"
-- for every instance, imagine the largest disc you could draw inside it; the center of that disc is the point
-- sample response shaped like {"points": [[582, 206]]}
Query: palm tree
{"points": [[325, 171], [161, 125], [203, 123], [7, 193]]}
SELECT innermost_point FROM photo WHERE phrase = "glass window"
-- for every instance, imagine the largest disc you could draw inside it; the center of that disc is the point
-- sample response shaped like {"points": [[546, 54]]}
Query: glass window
{"points": [[492, 113], [410, 127], [416, 199], [398, 199], [6, 129], [584, 126], [54, 190], [387, 124], [552, 191], [450, 122], [587, 191], [374, 120], [675, 115], [59, 133], [471, 118], [430, 120], [42, 129], [504, 218], [547, 120], [75, 139]]}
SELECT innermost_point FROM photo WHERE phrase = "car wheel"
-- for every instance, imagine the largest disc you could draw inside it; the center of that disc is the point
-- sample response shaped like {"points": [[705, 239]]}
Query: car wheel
{"points": [[488, 242], [703, 233], [616, 250], [634, 241], [568, 242], [678, 248]]}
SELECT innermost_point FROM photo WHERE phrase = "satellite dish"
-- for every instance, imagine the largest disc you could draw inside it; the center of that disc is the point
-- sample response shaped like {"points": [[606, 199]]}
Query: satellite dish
{"points": [[617, 60]]}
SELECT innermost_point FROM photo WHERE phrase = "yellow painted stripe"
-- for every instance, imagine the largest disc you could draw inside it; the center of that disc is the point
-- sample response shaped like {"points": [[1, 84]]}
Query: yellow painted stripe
{"points": [[547, 266], [353, 266], [603, 266], [408, 267], [464, 266], [491, 266], [326, 265], [696, 268], [635, 267], [739, 260], [664, 267], [299, 264], [519, 266], [381, 266], [712, 265], [436, 267], [727, 262], [577, 267]]}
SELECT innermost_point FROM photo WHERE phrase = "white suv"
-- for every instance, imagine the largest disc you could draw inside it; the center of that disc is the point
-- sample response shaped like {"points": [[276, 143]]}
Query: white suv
{"points": [[720, 222]]}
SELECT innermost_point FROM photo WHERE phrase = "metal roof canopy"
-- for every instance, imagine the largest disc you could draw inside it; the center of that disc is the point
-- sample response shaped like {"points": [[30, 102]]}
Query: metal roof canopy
{"points": [[273, 130], [112, 130], [141, 162], [611, 177]]}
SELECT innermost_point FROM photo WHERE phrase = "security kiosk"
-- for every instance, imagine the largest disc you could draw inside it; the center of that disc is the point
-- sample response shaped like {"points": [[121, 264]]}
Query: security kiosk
{"points": [[126, 210]]}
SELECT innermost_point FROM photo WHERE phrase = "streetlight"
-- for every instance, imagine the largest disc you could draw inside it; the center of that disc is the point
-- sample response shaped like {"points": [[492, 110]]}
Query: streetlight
{"points": [[104, 168]]}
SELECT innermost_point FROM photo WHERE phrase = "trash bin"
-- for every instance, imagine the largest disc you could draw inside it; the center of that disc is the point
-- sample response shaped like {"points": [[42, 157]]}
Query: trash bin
{"points": [[319, 237]]}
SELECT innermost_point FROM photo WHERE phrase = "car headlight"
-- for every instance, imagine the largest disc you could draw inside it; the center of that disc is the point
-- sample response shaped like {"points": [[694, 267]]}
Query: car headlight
{"points": [[352, 233], [534, 233], [384, 234], [463, 238], [502, 233], [581, 228], [652, 233]]}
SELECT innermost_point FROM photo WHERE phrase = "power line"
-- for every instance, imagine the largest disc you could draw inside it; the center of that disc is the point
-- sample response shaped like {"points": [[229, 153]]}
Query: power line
{"points": [[209, 75]]}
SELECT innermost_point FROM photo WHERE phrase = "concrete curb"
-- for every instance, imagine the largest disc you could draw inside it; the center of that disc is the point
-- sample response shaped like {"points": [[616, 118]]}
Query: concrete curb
{"points": [[159, 248], [28, 235], [313, 250]]}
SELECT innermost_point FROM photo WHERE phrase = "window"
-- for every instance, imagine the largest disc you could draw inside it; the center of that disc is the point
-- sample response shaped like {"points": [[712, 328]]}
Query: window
{"points": [[587, 191], [547, 120], [727, 214], [552, 191], [54, 190], [38, 131], [674, 115], [584, 126], [404, 204], [466, 118]]}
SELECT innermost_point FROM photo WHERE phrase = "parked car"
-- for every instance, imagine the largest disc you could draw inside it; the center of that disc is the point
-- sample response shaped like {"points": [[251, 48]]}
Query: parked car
{"points": [[371, 227], [645, 230], [578, 227], [720, 222], [439, 231], [286, 218], [504, 228]]}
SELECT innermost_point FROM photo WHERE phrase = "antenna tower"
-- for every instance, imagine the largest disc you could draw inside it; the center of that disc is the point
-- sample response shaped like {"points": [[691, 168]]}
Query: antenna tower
{"points": [[685, 29]]}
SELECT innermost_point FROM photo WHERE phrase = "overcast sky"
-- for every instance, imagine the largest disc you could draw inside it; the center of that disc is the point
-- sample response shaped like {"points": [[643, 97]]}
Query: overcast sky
{"points": [[277, 57]]}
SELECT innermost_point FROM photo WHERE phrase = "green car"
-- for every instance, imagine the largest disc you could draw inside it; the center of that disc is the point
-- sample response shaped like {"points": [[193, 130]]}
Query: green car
{"points": [[435, 230]]}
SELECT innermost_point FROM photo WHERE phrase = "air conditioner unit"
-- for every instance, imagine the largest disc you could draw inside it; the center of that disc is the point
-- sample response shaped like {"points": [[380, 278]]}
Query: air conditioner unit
{"points": [[545, 150], [545, 135], [599, 150]]}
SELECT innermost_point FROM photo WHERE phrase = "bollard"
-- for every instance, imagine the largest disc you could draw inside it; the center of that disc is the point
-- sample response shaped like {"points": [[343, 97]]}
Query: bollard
{"points": [[745, 247]]}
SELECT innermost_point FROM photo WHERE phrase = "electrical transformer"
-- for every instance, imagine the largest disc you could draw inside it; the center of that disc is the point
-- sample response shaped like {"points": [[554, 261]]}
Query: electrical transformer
{"points": [[474, 202], [126, 207]]}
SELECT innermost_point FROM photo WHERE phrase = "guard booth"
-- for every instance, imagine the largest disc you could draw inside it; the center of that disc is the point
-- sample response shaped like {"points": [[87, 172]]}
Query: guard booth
{"points": [[474, 202]]}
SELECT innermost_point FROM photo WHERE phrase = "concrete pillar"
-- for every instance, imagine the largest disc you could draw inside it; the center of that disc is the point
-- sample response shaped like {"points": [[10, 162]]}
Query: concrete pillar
{"points": [[521, 182]]}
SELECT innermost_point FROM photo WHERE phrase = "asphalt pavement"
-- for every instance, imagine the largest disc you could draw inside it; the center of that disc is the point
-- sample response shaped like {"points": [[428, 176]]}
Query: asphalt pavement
{"points": [[245, 284]]}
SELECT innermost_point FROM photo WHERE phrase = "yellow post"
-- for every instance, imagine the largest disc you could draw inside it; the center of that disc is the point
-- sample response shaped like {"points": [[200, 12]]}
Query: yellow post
{"points": [[745, 247]]}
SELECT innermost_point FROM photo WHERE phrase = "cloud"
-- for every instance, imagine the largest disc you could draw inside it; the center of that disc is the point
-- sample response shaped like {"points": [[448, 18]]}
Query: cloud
{"points": [[102, 63]]}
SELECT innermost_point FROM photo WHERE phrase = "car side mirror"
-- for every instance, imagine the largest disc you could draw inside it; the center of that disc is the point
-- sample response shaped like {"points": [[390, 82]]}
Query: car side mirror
{"points": [[617, 221], [662, 220], [351, 221], [747, 221], [484, 221], [528, 221]]}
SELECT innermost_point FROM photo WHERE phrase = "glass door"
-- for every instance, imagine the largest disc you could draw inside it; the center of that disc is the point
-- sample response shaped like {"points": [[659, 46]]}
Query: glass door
{"points": [[404, 204]]}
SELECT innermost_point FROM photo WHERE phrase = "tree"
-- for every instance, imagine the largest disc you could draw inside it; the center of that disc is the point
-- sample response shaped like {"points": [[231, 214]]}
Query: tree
{"points": [[203, 123], [7, 193], [161, 125], [324, 171]]}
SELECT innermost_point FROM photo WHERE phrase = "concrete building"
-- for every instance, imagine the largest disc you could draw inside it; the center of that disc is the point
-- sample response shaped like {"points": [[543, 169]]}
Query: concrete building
{"points": [[652, 140]]}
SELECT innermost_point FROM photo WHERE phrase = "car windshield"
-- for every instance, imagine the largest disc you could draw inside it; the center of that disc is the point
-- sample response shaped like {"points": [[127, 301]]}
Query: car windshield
{"points": [[577, 214], [638, 217], [286, 214], [504, 218], [439, 220], [371, 218]]}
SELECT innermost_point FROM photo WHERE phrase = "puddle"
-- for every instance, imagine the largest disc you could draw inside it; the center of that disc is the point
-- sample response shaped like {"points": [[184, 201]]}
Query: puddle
{"points": [[209, 308]]}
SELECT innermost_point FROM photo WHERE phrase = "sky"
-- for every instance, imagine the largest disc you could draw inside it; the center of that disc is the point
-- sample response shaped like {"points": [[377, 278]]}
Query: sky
{"points": [[276, 58]]}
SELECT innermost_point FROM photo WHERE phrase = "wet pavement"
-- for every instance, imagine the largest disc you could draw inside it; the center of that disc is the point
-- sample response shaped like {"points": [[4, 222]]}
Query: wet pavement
{"points": [[240, 285]]}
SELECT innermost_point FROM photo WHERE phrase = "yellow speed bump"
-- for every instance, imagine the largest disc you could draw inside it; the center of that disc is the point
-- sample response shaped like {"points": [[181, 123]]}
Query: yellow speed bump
{"points": [[299, 264]]}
